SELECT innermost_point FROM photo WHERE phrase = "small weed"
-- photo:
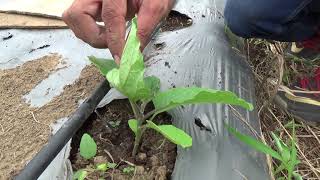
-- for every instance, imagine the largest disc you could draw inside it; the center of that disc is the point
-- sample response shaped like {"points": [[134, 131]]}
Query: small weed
{"points": [[285, 154], [115, 124], [128, 170], [88, 150]]}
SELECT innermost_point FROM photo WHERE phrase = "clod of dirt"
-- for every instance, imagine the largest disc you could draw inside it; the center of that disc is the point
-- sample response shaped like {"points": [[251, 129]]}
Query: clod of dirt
{"points": [[99, 159], [161, 173], [141, 157], [140, 169], [159, 46], [154, 161], [166, 64], [41, 47], [7, 37], [176, 21]]}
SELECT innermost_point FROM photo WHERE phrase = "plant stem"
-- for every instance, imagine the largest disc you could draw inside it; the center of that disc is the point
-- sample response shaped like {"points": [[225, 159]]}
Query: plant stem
{"points": [[149, 114], [138, 115]]}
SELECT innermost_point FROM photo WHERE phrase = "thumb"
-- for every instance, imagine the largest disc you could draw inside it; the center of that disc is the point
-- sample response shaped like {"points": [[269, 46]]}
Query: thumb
{"points": [[151, 12], [113, 15]]}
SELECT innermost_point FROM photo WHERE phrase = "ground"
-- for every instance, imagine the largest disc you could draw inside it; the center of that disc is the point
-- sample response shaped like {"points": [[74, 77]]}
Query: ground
{"points": [[156, 156], [25, 130], [269, 63]]}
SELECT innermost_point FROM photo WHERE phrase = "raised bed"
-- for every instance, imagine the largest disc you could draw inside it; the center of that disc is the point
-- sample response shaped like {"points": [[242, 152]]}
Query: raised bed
{"points": [[109, 128], [214, 154]]}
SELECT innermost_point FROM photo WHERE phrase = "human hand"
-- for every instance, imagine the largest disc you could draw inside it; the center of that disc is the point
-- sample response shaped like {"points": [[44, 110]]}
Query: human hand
{"points": [[82, 16]]}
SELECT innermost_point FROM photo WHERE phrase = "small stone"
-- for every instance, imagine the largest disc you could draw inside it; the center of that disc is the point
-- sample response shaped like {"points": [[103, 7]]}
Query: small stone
{"points": [[154, 161], [99, 159], [142, 156], [139, 169], [161, 173]]}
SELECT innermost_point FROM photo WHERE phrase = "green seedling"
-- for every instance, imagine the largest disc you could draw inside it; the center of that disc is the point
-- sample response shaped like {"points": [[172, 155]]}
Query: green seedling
{"points": [[286, 155], [115, 124], [129, 79], [88, 147], [80, 174], [128, 170], [105, 166], [88, 150]]}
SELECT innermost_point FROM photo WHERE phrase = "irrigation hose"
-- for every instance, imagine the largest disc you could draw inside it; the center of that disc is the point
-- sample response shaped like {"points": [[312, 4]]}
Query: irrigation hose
{"points": [[56, 143]]}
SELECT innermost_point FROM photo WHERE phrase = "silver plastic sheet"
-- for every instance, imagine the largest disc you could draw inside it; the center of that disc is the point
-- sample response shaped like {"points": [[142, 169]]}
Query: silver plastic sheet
{"points": [[28, 45]]}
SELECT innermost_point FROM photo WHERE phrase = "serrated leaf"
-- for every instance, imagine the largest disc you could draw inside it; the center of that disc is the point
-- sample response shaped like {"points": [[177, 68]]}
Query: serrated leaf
{"points": [[112, 165], [104, 65], [259, 146], [133, 124], [102, 167], [129, 78], [181, 96], [175, 135], [128, 170], [88, 147], [80, 175]]}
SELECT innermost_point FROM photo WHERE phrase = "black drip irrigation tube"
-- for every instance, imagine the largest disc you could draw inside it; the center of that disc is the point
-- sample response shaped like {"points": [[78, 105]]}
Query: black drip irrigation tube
{"points": [[56, 143]]}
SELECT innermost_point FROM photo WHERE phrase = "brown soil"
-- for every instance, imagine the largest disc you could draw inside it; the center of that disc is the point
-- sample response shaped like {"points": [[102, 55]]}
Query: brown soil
{"points": [[176, 21], [24, 130], [156, 156]]}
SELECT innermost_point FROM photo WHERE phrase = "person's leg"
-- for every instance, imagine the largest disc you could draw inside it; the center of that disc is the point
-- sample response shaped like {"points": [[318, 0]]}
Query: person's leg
{"points": [[282, 20]]}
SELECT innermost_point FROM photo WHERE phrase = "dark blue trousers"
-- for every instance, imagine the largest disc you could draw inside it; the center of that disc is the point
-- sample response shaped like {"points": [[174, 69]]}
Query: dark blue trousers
{"points": [[281, 20]]}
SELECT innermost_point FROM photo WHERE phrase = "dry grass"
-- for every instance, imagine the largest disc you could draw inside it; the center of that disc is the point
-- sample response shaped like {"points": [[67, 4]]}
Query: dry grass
{"points": [[274, 70]]}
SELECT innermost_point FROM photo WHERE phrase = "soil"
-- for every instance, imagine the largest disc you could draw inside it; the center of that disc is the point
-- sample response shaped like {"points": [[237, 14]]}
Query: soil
{"points": [[23, 129], [176, 21], [156, 156]]}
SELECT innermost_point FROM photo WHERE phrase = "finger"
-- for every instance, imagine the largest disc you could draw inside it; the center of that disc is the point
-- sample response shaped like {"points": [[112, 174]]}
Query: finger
{"points": [[84, 26], [113, 16], [151, 12]]}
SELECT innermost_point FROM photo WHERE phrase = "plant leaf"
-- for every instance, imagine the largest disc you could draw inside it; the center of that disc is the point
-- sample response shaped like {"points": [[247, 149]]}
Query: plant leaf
{"points": [[259, 146], [128, 170], [104, 65], [88, 148], [280, 168], [112, 165], [297, 176], [293, 155], [102, 167], [282, 148], [133, 124], [129, 78], [180, 96], [172, 133], [152, 83], [80, 175]]}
